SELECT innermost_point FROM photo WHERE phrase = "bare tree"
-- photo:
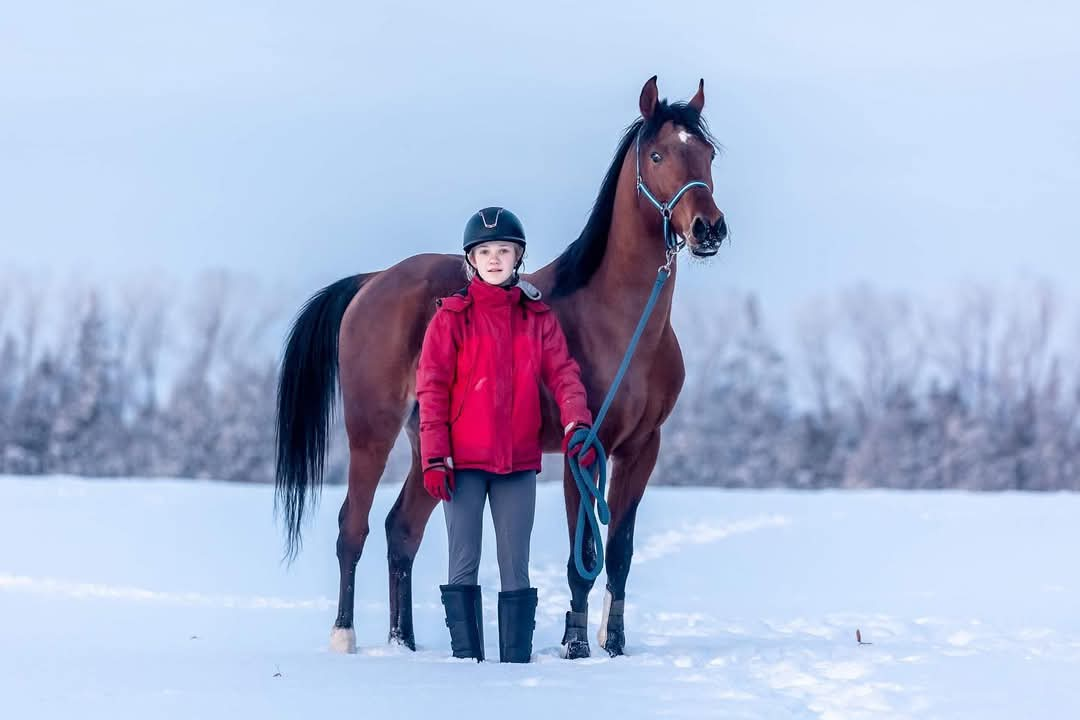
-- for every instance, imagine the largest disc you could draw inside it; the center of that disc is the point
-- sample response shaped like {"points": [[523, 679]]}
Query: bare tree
{"points": [[887, 343]]}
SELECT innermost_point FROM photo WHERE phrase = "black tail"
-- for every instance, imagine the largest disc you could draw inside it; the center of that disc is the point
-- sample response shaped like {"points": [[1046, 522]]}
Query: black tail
{"points": [[307, 393]]}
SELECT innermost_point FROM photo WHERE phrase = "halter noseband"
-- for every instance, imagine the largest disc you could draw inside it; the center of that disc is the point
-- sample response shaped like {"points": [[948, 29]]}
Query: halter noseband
{"points": [[667, 208]]}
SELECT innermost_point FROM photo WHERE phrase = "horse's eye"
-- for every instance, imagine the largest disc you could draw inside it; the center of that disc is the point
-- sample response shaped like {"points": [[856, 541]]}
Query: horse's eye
{"points": [[656, 157]]}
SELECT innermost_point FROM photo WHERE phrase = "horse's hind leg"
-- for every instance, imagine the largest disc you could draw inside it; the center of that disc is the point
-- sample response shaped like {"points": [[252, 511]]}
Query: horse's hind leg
{"points": [[404, 530], [366, 464], [633, 465]]}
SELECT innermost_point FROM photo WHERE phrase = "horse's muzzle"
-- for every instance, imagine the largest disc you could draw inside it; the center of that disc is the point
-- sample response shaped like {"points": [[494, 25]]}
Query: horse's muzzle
{"points": [[708, 236]]}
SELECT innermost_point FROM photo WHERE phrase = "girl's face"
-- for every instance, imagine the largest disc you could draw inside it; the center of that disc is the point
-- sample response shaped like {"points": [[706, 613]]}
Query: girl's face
{"points": [[494, 260]]}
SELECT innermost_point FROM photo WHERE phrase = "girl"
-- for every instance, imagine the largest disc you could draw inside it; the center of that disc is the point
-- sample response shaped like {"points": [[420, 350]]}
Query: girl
{"points": [[484, 354]]}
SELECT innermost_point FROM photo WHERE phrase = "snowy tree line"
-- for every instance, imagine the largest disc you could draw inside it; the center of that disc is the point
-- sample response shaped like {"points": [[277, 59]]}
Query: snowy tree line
{"points": [[981, 391], [143, 381]]}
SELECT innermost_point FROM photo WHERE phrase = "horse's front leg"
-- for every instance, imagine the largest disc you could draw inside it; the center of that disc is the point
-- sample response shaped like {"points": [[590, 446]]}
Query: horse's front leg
{"points": [[632, 467], [575, 640]]}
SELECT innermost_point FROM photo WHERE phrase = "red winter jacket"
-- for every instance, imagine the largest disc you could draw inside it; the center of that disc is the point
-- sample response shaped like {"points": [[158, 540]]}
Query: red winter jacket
{"points": [[478, 380]]}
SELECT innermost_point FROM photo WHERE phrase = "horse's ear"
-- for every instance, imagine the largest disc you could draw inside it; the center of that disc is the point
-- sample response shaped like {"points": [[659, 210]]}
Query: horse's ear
{"points": [[647, 101], [698, 101]]}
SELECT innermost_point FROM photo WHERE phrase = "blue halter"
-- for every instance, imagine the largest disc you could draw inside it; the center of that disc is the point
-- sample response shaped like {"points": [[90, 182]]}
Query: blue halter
{"points": [[665, 208]]}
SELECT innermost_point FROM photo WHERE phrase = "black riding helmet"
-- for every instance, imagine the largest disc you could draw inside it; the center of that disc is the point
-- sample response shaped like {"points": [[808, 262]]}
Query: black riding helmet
{"points": [[493, 223]]}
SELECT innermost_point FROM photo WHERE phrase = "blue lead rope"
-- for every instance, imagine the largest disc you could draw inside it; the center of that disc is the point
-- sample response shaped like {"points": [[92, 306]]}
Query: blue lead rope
{"points": [[589, 490]]}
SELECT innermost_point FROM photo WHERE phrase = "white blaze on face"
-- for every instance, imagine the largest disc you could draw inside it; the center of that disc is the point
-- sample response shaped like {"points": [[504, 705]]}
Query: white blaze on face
{"points": [[684, 136]]}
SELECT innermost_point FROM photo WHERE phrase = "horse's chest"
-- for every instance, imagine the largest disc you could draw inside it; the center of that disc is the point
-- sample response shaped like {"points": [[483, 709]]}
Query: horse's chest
{"points": [[647, 392], [628, 407]]}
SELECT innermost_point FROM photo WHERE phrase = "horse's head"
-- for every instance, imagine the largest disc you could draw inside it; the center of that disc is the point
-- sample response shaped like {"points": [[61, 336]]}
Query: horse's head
{"points": [[674, 149]]}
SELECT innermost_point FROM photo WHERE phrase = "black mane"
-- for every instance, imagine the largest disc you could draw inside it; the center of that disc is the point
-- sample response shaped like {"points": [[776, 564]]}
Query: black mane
{"points": [[579, 262]]}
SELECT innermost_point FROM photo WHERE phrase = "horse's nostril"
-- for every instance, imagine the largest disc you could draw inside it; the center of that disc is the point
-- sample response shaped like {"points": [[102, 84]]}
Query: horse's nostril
{"points": [[720, 229], [700, 229]]}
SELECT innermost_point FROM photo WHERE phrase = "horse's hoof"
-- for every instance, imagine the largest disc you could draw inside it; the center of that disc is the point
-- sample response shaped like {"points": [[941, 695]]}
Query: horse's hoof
{"points": [[399, 638], [575, 639], [343, 640], [614, 644], [610, 635], [575, 650]]}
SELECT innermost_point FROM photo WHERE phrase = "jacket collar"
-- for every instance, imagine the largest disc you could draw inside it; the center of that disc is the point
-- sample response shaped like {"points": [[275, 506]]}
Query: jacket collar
{"points": [[494, 295]]}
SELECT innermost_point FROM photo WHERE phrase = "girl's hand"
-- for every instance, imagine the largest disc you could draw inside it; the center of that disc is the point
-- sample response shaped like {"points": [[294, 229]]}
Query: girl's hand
{"points": [[587, 458], [439, 480]]}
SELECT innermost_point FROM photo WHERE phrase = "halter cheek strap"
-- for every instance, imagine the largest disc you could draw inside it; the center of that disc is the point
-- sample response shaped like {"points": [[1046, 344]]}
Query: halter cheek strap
{"points": [[670, 244]]}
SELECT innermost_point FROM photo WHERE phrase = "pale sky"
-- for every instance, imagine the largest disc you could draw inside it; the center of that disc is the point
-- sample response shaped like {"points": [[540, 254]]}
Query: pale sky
{"points": [[911, 146]]}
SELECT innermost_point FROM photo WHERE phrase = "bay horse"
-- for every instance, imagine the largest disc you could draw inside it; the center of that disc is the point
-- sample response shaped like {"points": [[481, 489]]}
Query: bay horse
{"points": [[364, 332]]}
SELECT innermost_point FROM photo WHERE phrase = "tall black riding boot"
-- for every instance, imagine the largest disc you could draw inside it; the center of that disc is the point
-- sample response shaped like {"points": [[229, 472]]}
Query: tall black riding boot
{"points": [[465, 618], [517, 620]]}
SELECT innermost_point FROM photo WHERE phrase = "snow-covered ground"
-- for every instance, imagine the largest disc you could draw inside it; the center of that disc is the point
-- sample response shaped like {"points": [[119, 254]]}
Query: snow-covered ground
{"points": [[159, 599]]}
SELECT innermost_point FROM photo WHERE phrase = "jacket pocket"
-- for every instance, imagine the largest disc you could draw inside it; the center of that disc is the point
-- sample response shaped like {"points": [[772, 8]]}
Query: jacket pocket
{"points": [[458, 402]]}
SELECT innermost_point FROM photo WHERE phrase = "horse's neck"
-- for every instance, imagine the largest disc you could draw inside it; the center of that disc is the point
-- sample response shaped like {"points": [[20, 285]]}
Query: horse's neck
{"points": [[634, 253]]}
